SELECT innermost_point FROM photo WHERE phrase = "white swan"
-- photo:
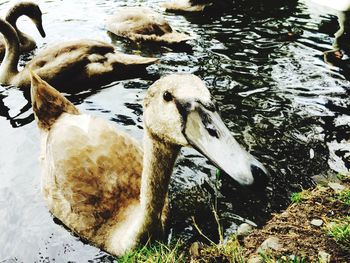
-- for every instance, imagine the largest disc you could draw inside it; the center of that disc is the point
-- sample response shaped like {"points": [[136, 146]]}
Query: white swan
{"points": [[31, 10], [101, 184], [143, 24], [77, 64]]}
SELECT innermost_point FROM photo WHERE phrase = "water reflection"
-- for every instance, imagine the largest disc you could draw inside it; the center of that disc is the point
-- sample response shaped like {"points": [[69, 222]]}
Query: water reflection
{"points": [[17, 112]]}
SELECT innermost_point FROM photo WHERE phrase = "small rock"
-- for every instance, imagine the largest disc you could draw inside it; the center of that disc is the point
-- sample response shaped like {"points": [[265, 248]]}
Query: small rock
{"points": [[336, 187], [255, 259], [194, 249], [324, 179], [324, 257], [312, 153], [316, 222], [272, 243], [244, 230]]}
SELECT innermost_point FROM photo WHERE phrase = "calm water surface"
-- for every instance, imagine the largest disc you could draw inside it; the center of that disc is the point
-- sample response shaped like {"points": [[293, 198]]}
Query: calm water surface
{"points": [[264, 65]]}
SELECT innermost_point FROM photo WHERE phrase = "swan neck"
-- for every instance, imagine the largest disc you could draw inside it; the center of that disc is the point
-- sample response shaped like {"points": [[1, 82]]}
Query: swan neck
{"points": [[12, 17], [8, 66], [158, 164]]}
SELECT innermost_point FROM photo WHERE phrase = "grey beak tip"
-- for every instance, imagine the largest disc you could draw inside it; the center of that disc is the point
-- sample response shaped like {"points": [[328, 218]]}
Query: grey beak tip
{"points": [[261, 175], [247, 182]]}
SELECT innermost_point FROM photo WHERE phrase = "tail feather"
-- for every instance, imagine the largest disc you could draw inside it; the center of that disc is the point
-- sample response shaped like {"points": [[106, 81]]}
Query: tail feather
{"points": [[48, 104], [128, 60]]}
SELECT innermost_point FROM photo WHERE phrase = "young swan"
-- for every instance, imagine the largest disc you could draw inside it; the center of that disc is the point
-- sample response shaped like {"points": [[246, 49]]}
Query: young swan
{"points": [[31, 10], [186, 6], [340, 5], [69, 65], [100, 182], [207, 6], [143, 24]]}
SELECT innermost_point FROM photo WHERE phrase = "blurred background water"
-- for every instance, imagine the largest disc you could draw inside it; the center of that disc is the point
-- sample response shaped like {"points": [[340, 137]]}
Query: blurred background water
{"points": [[264, 65]]}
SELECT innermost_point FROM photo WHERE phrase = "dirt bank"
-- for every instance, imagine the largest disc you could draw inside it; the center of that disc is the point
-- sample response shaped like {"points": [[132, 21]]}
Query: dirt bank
{"points": [[314, 228], [305, 228]]}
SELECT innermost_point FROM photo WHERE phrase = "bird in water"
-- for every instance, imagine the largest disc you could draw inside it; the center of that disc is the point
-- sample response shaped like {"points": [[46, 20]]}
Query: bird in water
{"points": [[340, 5], [31, 10], [79, 64], [107, 187], [198, 6], [144, 24]]}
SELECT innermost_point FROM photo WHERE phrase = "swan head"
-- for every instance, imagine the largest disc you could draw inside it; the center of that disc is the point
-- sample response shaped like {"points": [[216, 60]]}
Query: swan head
{"points": [[178, 109], [29, 9]]}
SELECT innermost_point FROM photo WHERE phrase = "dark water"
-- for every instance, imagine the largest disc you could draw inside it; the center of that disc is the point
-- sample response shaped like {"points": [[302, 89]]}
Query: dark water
{"points": [[264, 65]]}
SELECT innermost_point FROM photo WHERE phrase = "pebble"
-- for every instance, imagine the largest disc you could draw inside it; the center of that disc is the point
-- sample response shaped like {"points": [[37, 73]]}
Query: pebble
{"points": [[336, 187], [244, 230], [272, 243], [194, 249], [316, 222], [255, 259], [324, 257]]}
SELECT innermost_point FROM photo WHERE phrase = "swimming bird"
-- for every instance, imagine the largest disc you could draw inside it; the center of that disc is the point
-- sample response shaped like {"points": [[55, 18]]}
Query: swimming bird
{"points": [[186, 6], [335, 55], [79, 64], [106, 187], [144, 24], [340, 5], [31, 10], [207, 6]]}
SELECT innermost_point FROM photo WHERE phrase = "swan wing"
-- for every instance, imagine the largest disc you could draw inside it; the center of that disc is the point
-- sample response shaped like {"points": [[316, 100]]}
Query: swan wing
{"points": [[67, 59], [91, 172], [137, 20], [77, 64]]}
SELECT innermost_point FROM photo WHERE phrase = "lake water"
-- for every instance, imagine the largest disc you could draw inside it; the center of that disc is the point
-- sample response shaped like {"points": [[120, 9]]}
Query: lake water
{"points": [[264, 65]]}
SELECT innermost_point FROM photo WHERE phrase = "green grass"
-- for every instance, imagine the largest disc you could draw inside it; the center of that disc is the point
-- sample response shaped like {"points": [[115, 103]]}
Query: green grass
{"points": [[344, 196], [341, 176], [231, 251], [268, 258], [296, 197], [300, 196], [156, 253], [340, 230]]}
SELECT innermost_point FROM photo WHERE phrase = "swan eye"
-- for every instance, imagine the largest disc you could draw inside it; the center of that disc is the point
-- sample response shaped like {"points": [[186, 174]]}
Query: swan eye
{"points": [[167, 96]]}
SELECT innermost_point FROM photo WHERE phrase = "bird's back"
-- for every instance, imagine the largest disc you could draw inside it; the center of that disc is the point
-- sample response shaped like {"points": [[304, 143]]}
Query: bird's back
{"points": [[91, 173], [78, 65]]}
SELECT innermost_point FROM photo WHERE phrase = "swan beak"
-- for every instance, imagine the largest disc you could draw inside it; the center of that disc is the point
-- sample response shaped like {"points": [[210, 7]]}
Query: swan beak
{"points": [[206, 132], [39, 26]]}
